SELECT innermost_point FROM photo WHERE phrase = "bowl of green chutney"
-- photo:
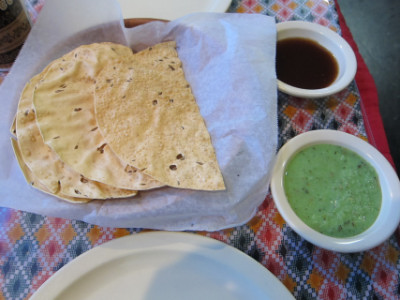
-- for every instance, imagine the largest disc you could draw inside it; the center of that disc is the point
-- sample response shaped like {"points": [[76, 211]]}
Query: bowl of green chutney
{"points": [[336, 191]]}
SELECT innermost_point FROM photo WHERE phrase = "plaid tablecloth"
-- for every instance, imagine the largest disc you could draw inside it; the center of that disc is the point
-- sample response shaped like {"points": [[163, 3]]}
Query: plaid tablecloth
{"points": [[33, 247]]}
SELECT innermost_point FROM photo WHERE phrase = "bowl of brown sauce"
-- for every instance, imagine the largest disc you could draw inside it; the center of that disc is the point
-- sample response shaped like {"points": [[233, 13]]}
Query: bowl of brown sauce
{"points": [[312, 61]]}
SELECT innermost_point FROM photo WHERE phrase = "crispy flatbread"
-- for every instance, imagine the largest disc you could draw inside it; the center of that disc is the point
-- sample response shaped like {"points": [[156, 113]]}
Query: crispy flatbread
{"points": [[63, 101], [13, 128], [32, 180], [148, 115], [44, 164]]}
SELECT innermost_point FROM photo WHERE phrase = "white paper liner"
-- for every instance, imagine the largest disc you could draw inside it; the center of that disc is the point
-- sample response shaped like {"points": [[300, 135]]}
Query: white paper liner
{"points": [[229, 61]]}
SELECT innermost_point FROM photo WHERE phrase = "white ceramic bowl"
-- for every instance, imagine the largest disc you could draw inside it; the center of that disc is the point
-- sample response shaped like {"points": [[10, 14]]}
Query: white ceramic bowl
{"points": [[389, 215], [333, 42]]}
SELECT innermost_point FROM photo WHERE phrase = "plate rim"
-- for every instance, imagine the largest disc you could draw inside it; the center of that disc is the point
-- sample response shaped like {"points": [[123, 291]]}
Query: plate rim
{"points": [[216, 6], [159, 240]]}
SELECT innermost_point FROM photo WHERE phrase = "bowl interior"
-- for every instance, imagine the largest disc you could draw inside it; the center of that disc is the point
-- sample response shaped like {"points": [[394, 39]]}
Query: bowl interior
{"points": [[323, 40], [330, 40], [389, 215]]}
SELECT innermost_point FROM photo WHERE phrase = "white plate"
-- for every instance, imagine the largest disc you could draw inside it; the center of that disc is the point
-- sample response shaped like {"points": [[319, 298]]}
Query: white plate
{"points": [[163, 265], [171, 9]]}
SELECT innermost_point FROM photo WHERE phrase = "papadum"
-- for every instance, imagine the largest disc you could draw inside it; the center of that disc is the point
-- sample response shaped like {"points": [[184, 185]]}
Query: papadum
{"points": [[101, 122], [33, 181], [64, 105], [147, 113], [45, 165]]}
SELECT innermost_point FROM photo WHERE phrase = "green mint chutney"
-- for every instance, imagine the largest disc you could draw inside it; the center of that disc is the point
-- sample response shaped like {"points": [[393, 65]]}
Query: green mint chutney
{"points": [[333, 190]]}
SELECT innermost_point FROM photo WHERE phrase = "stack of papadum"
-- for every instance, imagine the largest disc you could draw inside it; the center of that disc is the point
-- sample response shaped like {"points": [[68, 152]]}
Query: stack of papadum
{"points": [[102, 123]]}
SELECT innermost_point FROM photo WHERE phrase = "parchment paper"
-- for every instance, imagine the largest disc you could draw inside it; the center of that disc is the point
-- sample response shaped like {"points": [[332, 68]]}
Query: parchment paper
{"points": [[229, 60]]}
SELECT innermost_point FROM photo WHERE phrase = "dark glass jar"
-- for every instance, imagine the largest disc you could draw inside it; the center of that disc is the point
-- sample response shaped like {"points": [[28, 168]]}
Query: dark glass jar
{"points": [[14, 29]]}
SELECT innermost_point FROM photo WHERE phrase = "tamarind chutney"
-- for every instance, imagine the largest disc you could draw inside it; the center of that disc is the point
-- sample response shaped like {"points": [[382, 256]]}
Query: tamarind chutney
{"points": [[304, 63]]}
